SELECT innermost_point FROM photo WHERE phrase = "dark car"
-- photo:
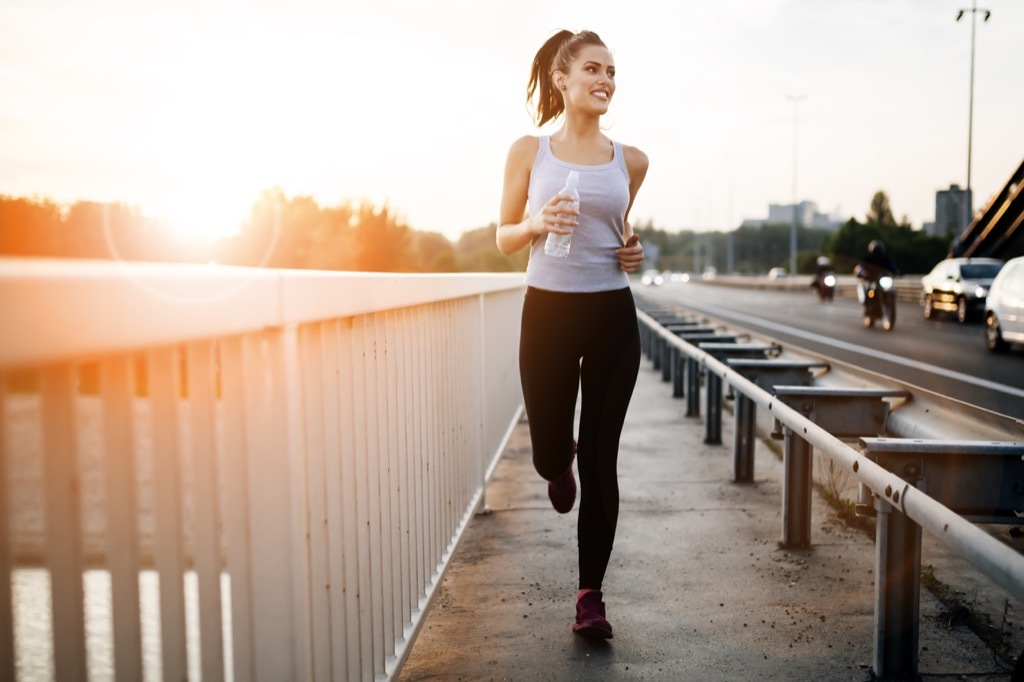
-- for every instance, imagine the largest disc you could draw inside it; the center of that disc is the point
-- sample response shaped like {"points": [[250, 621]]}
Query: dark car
{"points": [[959, 286]]}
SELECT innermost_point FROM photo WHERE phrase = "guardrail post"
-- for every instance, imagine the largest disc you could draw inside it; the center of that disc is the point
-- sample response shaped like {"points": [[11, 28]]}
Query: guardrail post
{"points": [[692, 387], [897, 593], [695, 336], [724, 351], [677, 373], [743, 450], [796, 491], [978, 480], [844, 413], [766, 374], [713, 422], [666, 361]]}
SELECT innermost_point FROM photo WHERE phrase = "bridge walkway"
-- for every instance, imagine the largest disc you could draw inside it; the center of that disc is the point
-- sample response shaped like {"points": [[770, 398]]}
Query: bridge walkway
{"points": [[698, 588]]}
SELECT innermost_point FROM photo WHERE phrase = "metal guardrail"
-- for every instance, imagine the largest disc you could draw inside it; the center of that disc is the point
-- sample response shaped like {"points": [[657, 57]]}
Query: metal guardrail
{"points": [[901, 507], [309, 446]]}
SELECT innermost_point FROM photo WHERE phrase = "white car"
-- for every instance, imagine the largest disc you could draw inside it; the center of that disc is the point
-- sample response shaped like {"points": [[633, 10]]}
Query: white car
{"points": [[1004, 307]]}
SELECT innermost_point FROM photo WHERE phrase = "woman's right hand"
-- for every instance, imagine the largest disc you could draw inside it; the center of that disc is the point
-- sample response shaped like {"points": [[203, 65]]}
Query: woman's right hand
{"points": [[557, 216]]}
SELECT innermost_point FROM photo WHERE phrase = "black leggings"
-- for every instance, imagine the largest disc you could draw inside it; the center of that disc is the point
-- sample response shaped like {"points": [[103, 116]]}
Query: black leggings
{"points": [[585, 343]]}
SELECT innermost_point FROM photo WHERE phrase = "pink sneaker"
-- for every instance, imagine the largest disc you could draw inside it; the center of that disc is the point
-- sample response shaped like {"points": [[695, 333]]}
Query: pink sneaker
{"points": [[562, 490], [590, 617]]}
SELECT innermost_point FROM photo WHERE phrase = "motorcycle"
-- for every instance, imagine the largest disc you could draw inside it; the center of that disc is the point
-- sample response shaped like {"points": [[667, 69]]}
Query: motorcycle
{"points": [[825, 285], [878, 296]]}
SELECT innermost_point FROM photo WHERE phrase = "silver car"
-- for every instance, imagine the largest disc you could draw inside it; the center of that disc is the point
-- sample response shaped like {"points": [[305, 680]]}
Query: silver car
{"points": [[1004, 307]]}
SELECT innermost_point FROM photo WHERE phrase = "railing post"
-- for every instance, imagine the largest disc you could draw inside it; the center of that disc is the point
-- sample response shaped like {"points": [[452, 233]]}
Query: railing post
{"points": [[692, 387], [122, 513], [743, 446], [766, 374], [796, 491], [724, 351], [897, 593], [713, 421], [677, 372], [280, 629], [6, 592], [666, 360], [64, 556]]}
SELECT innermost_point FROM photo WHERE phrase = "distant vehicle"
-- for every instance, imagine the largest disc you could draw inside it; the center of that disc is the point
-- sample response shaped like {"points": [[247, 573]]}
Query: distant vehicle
{"points": [[1004, 307], [709, 273], [877, 295], [824, 282], [652, 278], [959, 286], [778, 273]]}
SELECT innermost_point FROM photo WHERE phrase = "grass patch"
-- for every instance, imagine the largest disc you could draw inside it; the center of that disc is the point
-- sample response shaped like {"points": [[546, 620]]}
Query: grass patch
{"points": [[957, 610], [846, 511]]}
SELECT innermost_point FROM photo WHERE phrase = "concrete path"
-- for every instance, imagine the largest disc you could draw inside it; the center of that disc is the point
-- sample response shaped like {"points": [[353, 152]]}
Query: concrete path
{"points": [[697, 589]]}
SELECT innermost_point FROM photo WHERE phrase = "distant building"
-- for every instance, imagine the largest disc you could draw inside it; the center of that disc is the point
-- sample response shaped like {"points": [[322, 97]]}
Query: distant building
{"points": [[950, 211], [807, 215]]}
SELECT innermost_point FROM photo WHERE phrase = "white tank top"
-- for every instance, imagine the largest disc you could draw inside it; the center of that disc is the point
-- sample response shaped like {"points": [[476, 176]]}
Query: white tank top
{"points": [[604, 196]]}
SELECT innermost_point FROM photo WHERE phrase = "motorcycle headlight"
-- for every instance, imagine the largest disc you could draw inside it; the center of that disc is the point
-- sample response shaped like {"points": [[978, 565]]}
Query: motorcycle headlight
{"points": [[885, 282], [830, 281], [980, 292]]}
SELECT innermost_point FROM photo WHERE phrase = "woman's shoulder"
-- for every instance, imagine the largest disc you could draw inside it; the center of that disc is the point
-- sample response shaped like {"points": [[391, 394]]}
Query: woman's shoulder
{"points": [[635, 159], [525, 145]]}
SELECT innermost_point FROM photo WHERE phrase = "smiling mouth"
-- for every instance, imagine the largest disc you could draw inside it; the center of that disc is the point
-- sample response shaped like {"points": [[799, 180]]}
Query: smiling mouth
{"points": [[601, 94]]}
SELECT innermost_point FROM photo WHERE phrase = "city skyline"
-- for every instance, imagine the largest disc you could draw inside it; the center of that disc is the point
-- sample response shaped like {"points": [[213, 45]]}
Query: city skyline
{"points": [[189, 111]]}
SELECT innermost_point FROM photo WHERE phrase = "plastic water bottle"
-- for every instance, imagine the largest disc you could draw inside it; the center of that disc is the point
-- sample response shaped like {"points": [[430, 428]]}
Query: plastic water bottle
{"points": [[557, 245]]}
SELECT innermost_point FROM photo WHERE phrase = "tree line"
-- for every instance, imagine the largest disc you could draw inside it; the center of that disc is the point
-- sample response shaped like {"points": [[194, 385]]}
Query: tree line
{"points": [[279, 232], [297, 232]]}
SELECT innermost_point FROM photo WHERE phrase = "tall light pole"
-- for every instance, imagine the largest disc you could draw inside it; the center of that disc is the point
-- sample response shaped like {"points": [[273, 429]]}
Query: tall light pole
{"points": [[968, 207], [795, 99], [730, 262]]}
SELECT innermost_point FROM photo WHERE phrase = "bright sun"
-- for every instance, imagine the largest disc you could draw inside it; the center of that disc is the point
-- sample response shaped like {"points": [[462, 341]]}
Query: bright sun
{"points": [[198, 219]]}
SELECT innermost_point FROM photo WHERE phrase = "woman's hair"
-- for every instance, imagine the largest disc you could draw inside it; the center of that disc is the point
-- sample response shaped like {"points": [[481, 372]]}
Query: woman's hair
{"points": [[556, 54]]}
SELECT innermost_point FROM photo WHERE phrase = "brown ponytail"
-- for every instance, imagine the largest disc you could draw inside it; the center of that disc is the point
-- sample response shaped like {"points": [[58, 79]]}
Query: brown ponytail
{"points": [[556, 54]]}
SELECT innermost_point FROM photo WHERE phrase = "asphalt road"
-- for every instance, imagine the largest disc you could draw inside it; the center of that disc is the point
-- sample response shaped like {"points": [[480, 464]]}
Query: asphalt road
{"points": [[939, 355]]}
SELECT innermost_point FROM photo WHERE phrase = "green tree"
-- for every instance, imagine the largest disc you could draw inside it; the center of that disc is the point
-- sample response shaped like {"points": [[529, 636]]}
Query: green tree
{"points": [[29, 227], [477, 251], [880, 212], [434, 253]]}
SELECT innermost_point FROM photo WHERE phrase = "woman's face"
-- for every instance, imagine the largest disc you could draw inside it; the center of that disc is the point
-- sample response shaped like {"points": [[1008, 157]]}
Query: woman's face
{"points": [[590, 83]]}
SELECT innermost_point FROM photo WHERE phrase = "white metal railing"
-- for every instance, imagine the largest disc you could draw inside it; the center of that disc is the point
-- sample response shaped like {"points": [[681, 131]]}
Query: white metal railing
{"points": [[306, 446]]}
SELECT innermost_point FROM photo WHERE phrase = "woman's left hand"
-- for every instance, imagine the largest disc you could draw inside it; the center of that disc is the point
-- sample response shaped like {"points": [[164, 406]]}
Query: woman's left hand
{"points": [[631, 256]]}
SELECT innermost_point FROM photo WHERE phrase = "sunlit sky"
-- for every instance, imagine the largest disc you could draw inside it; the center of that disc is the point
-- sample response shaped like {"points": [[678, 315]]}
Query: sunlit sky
{"points": [[189, 109]]}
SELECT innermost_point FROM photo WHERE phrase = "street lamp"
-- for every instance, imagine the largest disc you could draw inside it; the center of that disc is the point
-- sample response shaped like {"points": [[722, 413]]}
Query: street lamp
{"points": [[968, 208], [795, 99]]}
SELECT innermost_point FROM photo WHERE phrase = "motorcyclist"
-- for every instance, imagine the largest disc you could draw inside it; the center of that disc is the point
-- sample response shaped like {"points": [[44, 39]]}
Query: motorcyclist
{"points": [[824, 265], [874, 265]]}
